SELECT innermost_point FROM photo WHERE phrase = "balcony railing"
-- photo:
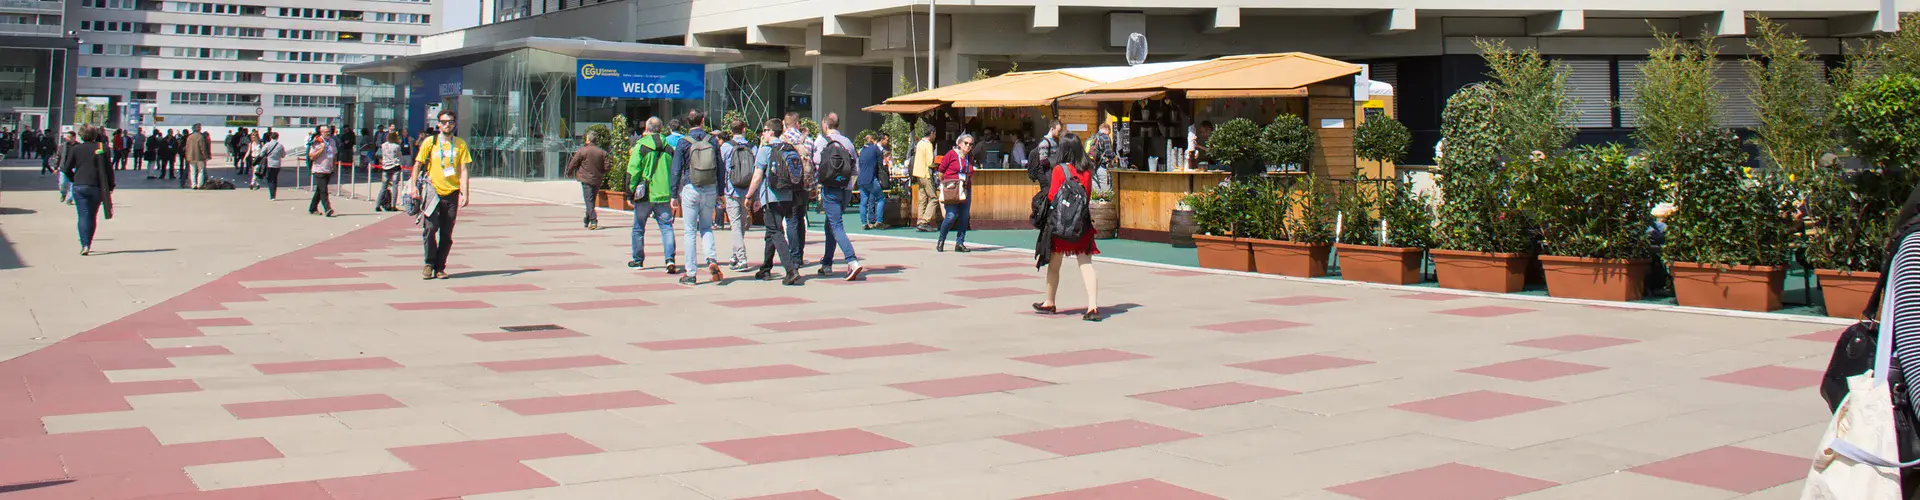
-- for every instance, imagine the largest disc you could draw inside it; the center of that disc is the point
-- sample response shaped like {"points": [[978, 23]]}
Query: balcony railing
{"points": [[29, 29], [39, 5]]}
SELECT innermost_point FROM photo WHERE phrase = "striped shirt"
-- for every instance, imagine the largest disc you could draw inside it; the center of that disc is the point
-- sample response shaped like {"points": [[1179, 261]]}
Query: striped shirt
{"points": [[1901, 305]]}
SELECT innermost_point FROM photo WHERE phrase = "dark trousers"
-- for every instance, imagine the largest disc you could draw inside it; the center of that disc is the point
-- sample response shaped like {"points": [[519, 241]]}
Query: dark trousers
{"points": [[588, 192], [437, 231], [320, 198], [86, 201], [958, 216], [273, 182], [786, 233]]}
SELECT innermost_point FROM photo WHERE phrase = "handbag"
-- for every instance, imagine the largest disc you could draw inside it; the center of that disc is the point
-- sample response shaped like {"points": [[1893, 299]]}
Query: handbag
{"points": [[953, 191], [1852, 462]]}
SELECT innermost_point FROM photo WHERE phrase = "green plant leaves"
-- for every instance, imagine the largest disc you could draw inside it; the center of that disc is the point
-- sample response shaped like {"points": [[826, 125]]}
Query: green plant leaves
{"points": [[1593, 201], [1381, 138], [1236, 142], [1287, 141], [1477, 211]]}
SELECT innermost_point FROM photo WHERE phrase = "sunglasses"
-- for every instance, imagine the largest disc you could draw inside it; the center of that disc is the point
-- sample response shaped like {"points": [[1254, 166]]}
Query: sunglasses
{"points": [[446, 121]]}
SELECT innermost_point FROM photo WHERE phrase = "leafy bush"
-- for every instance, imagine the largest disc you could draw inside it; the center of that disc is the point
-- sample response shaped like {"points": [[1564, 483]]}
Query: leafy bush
{"points": [[1476, 209], [1409, 215], [1310, 211], [1357, 223], [618, 141], [1723, 213], [1593, 201], [1881, 120], [902, 136], [1287, 141], [1531, 99], [1676, 99], [1855, 212], [1793, 98], [1381, 139], [1236, 143]]}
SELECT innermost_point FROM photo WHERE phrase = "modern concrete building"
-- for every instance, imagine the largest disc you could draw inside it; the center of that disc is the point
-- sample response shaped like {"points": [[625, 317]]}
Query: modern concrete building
{"points": [[224, 63], [36, 63], [814, 56]]}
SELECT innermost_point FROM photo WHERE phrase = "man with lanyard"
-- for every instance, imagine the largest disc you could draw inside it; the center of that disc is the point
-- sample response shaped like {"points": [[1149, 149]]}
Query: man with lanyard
{"points": [[1048, 148], [443, 160]]}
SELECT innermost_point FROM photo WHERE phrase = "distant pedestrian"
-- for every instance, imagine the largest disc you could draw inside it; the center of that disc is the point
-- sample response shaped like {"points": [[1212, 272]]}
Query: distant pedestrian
{"points": [[589, 166], [272, 153], [873, 179], [926, 181], [698, 170], [740, 159], [650, 182], [197, 151], [391, 159], [839, 172], [138, 142], [322, 151], [88, 164], [956, 192], [443, 161], [1070, 175], [784, 217]]}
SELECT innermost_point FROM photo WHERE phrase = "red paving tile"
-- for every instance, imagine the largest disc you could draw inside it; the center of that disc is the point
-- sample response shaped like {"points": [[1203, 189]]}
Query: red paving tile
{"points": [[1477, 405], [1252, 326], [1824, 336], [342, 287], [327, 365], [767, 449], [1730, 468], [1076, 358], [203, 322], [305, 490], [701, 343], [529, 335], [797, 495], [997, 278], [813, 324], [1209, 396], [1298, 300], [603, 304], [1144, 489], [440, 305], [1445, 482], [879, 351], [1300, 364], [1573, 343], [198, 350], [654, 287], [1432, 296], [1772, 377], [404, 267], [460, 454], [963, 386], [1095, 438], [437, 484], [146, 387], [544, 254], [1532, 370], [527, 365], [762, 302], [993, 293], [1485, 311], [522, 287], [139, 485], [581, 402], [84, 463], [918, 307], [265, 409], [748, 374]]}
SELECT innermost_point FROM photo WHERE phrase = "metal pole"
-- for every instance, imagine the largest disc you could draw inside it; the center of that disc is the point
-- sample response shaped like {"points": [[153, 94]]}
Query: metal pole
{"points": [[932, 42]]}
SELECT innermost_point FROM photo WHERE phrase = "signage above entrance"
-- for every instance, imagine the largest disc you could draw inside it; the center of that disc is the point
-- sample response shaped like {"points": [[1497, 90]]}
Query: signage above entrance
{"points": [[649, 80]]}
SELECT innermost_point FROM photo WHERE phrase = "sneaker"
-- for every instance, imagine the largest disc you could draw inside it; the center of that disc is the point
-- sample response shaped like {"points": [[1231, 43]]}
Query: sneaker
{"points": [[962, 248], [740, 267], [855, 270], [593, 226], [426, 272], [689, 280], [881, 227], [763, 275], [634, 264], [441, 275], [792, 280], [826, 270]]}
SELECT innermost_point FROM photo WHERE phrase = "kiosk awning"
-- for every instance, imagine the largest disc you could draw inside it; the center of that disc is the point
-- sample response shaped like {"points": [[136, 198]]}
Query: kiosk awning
{"points": [[1115, 96], [1260, 75], [905, 108]]}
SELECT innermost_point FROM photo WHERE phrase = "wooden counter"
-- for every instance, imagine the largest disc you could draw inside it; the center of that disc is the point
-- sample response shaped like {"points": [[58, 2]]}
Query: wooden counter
{"points": [[1147, 199]]}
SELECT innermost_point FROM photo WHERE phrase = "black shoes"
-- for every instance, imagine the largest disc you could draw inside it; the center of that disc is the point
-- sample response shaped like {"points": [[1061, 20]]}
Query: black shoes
{"points": [[940, 247], [825, 270], [792, 280], [674, 268], [962, 248], [763, 275], [634, 264]]}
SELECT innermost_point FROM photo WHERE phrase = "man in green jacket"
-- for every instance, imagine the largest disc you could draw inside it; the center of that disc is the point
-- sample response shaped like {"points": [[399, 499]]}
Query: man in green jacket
{"points": [[649, 169]]}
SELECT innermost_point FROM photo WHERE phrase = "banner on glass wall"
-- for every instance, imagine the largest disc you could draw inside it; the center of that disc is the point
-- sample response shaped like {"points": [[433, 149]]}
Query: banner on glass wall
{"points": [[649, 80]]}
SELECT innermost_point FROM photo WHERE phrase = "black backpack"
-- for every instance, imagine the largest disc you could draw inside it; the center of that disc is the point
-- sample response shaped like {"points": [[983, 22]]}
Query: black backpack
{"points": [[836, 165], [740, 166], [787, 173], [1070, 215]]}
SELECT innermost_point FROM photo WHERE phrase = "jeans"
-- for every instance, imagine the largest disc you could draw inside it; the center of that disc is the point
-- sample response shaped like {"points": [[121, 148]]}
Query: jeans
{"points": [[957, 218], [740, 219], [273, 182], [696, 203], [662, 215], [320, 199], [389, 188], [786, 232], [929, 201], [198, 170], [587, 193], [873, 203], [139, 159], [86, 200], [834, 201], [66, 188], [437, 231]]}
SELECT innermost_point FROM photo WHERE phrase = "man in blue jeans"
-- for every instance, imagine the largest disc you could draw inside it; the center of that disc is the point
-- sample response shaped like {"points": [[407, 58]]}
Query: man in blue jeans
{"points": [[698, 170], [831, 151], [873, 171], [784, 231], [648, 170]]}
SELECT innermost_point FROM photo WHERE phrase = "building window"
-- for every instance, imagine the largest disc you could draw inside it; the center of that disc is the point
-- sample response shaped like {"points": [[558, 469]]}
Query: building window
{"points": [[203, 53], [299, 13], [144, 97], [108, 4], [306, 101], [395, 39], [107, 26], [325, 36], [206, 76], [214, 99], [116, 73], [109, 49], [390, 17], [305, 78], [219, 31]]}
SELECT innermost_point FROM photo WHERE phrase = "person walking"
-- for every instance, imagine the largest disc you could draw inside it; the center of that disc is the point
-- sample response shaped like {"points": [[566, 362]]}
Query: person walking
{"points": [[839, 171], [120, 149], [391, 155], [785, 225], [59, 156], [197, 150], [236, 144], [589, 166], [88, 164], [697, 172], [443, 161], [873, 174], [649, 179], [1071, 174], [322, 152], [45, 146], [741, 159], [924, 181], [271, 154], [956, 170]]}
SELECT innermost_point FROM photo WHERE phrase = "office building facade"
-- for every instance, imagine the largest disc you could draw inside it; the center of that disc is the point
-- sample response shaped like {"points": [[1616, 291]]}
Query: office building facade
{"points": [[36, 63]]}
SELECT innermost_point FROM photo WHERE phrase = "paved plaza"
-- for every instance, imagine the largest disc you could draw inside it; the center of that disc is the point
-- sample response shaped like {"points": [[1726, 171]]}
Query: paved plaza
{"points": [[220, 346]]}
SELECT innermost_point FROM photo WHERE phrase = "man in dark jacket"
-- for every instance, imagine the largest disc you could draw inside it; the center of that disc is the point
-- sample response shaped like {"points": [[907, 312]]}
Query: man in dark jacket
{"points": [[588, 166]]}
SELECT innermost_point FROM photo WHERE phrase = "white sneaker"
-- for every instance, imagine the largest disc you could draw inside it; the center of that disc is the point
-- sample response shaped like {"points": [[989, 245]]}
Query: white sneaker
{"points": [[855, 270]]}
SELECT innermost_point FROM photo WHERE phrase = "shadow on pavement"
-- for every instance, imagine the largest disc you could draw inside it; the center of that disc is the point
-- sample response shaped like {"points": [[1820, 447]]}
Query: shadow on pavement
{"points": [[17, 211], [9, 258], [33, 486], [151, 250], [482, 274]]}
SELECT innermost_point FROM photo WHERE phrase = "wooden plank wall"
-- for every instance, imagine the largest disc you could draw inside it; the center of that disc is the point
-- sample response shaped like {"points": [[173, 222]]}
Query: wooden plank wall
{"points": [[1333, 156]]}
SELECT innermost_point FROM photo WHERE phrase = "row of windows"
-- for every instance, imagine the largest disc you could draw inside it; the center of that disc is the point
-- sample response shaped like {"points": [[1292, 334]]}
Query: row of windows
{"points": [[389, 17], [206, 76], [214, 99], [110, 26], [322, 35], [109, 49], [203, 53], [203, 8], [392, 38], [120, 73], [220, 31], [306, 78], [306, 101], [108, 4], [308, 13]]}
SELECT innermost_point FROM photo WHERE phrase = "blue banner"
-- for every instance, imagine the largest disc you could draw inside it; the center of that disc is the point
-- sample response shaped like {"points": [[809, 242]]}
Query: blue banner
{"points": [[648, 80]]}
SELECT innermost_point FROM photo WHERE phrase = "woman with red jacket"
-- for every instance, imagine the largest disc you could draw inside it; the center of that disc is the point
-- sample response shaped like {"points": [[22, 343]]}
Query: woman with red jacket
{"points": [[956, 167], [1072, 155]]}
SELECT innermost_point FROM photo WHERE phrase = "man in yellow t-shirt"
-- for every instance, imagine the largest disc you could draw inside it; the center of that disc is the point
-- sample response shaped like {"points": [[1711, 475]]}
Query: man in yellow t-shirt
{"points": [[923, 177], [443, 159]]}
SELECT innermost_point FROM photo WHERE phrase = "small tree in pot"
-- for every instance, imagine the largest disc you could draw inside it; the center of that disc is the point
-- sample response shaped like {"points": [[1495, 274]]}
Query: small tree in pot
{"points": [[1879, 118], [1287, 142], [1482, 240], [1237, 144], [1381, 139], [1303, 236], [1593, 208], [1387, 248], [1729, 234], [618, 142]]}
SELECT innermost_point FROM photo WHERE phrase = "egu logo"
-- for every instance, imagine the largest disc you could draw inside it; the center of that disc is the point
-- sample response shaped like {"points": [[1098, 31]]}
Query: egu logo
{"points": [[588, 71]]}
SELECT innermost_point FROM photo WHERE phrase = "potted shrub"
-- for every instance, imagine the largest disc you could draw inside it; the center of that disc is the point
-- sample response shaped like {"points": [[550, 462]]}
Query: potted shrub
{"points": [[1237, 144], [1381, 139], [1386, 249], [1481, 241], [1286, 143], [1214, 242], [1298, 228], [1728, 236], [1592, 205], [1879, 118], [618, 143]]}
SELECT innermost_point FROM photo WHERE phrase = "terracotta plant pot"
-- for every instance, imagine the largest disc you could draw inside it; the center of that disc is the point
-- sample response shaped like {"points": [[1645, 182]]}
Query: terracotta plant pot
{"points": [[600, 199], [1481, 271], [1223, 252], [1745, 288], [1287, 258], [1619, 280], [1390, 265], [617, 200], [1846, 292]]}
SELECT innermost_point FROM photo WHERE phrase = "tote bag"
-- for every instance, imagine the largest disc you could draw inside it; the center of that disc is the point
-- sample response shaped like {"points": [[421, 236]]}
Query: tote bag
{"points": [[1859, 452]]}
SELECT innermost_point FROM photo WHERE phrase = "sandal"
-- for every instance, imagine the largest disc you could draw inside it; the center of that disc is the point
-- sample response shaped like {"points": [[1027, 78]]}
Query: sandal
{"points": [[1093, 315], [1045, 309]]}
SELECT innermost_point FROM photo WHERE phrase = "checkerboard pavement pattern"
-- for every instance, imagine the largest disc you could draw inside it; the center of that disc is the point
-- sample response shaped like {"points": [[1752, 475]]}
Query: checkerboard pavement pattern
{"points": [[546, 370]]}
